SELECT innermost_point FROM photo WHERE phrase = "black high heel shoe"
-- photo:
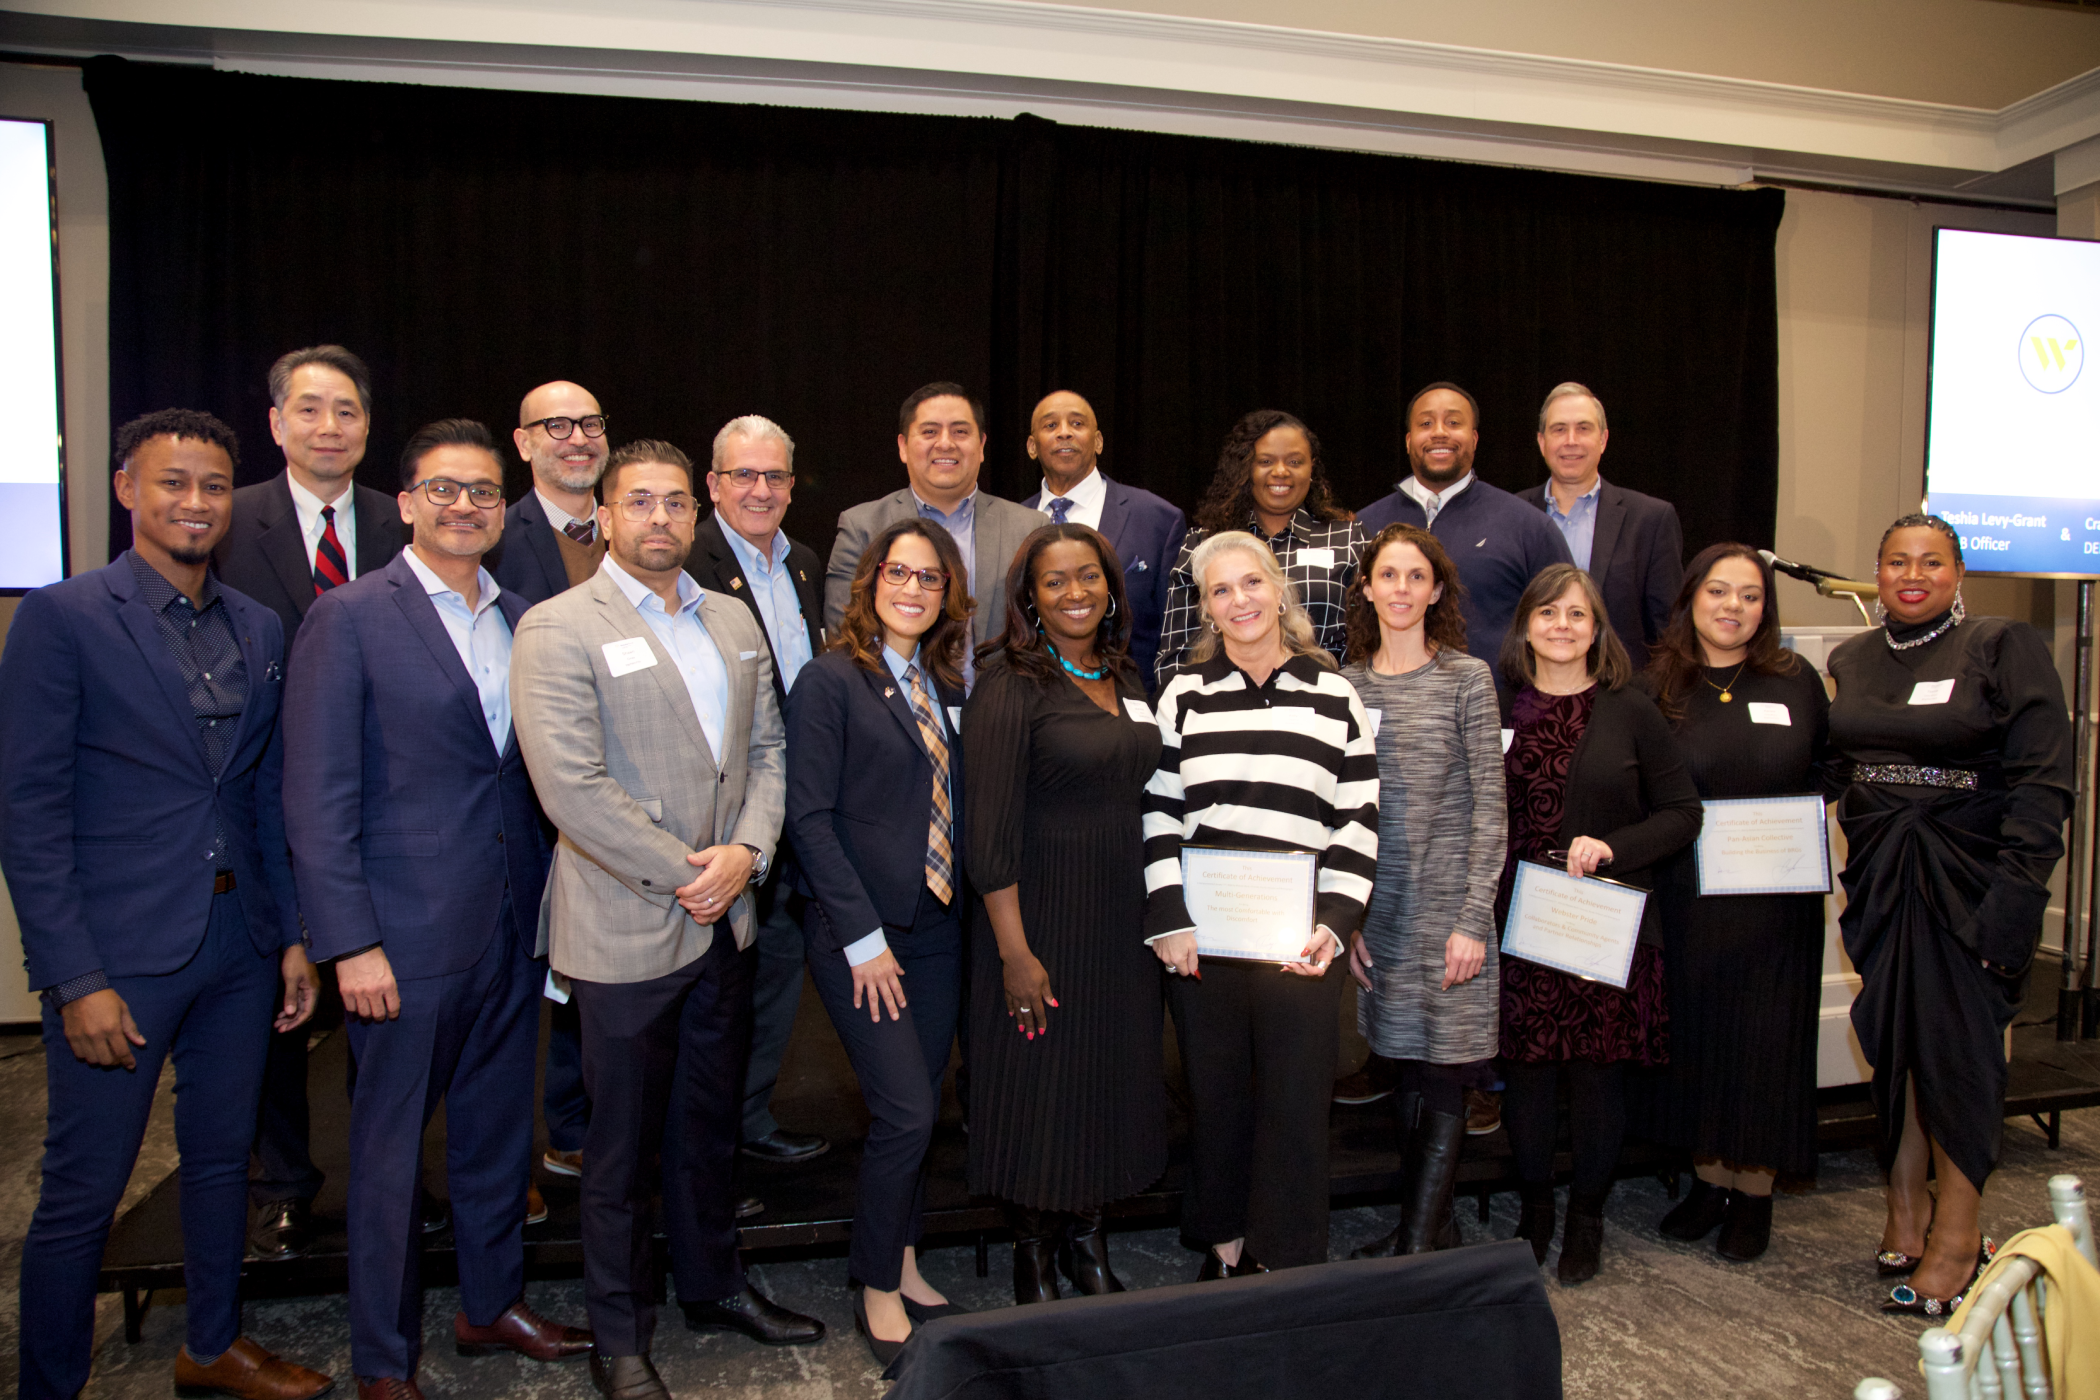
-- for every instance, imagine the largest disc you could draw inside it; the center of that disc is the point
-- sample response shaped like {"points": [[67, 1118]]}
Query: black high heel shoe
{"points": [[884, 1351], [1907, 1301], [1215, 1268]]}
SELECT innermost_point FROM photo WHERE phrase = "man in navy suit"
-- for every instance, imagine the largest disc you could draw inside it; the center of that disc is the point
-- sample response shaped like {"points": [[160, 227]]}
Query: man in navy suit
{"points": [[421, 856], [142, 836], [291, 539], [1631, 544], [1065, 437], [550, 544]]}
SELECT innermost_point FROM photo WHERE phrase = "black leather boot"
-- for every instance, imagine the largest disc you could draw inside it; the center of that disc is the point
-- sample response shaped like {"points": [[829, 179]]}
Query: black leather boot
{"points": [[1583, 1241], [1035, 1254], [1438, 1138], [1694, 1218], [1536, 1218], [1082, 1252], [1747, 1231], [1408, 1109]]}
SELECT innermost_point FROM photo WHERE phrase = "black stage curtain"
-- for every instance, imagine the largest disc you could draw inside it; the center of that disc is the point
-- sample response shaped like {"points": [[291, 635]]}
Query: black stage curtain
{"points": [[692, 261]]}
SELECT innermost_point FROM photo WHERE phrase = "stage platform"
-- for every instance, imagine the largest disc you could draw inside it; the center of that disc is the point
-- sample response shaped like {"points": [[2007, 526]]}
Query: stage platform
{"points": [[809, 1208]]}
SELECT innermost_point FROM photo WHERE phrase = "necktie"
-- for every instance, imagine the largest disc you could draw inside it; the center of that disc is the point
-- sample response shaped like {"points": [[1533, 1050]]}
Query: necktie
{"points": [[331, 565], [940, 849], [1059, 505], [584, 532]]}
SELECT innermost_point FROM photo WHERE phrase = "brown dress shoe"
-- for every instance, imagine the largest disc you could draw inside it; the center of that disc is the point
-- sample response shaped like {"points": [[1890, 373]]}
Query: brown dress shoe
{"points": [[521, 1330], [535, 1206], [387, 1388], [247, 1372]]}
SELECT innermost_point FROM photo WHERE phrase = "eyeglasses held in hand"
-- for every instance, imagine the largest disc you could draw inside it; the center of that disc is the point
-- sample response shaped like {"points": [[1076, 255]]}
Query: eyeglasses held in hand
{"points": [[593, 425], [444, 492], [641, 505], [744, 478], [932, 580]]}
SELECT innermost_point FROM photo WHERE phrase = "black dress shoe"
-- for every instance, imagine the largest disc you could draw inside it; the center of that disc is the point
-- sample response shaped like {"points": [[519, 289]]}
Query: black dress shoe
{"points": [[1748, 1230], [437, 1215], [627, 1378], [757, 1317], [884, 1352], [782, 1147], [927, 1312], [1695, 1217], [284, 1230], [748, 1206]]}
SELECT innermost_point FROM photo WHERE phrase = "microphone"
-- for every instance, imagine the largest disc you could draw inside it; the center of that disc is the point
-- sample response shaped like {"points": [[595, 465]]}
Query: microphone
{"points": [[1805, 572], [1826, 583]]}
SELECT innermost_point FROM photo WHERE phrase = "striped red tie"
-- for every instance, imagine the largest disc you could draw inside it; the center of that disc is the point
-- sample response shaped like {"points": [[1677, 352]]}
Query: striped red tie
{"points": [[331, 567]]}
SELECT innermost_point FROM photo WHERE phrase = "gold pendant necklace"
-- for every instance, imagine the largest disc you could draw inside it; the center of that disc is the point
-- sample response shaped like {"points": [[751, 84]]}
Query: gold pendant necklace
{"points": [[1728, 691]]}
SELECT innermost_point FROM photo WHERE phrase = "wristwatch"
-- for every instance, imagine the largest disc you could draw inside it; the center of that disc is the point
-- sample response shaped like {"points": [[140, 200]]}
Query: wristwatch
{"points": [[759, 864]]}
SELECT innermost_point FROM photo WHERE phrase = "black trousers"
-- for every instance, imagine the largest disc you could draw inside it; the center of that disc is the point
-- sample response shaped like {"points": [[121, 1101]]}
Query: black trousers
{"points": [[900, 1065], [1259, 1045], [1596, 1120], [663, 1062]]}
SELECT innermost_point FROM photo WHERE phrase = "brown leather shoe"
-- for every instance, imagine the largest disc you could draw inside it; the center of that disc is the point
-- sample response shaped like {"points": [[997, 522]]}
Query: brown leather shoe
{"points": [[387, 1388], [535, 1206], [247, 1372], [521, 1330]]}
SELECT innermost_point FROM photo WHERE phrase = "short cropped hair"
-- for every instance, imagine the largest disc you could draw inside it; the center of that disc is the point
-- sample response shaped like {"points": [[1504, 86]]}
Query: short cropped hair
{"points": [[1571, 390], [188, 423], [334, 357], [939, 389], [446, 432], [643, 450], [757, 428], [1431, 388]]}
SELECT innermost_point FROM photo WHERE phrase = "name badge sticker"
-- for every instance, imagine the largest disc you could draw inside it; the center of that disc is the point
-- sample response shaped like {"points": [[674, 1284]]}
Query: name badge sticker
{"points": [[629, 654], [1766, 712], [746, 655], [1509, 736], [1932, 692], [955, 719], [1314, 558], [1377, 717], [1138, 710]]}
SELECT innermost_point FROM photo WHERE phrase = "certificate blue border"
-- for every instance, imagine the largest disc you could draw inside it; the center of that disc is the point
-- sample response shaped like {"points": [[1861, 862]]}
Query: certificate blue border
{"points": [[1516, 895], [1822, 813], [1312, 902]]}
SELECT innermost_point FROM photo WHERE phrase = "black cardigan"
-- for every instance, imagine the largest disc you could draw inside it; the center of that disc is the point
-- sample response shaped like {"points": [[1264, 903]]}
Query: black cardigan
{"points": [[1628, 787]]}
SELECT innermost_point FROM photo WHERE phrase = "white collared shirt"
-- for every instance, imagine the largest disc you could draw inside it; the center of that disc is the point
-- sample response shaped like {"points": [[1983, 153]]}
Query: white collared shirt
{"points": [[480, 635], [1433, 501], [691, 647], [1087, 499], [556, 516], [312, 526]]}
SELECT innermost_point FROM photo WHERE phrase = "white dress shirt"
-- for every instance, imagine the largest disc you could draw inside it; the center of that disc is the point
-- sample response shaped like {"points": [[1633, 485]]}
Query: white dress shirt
{"points": [[691, 647], [481, 636], [1433, 501], [312, 526], [1087, 499]]}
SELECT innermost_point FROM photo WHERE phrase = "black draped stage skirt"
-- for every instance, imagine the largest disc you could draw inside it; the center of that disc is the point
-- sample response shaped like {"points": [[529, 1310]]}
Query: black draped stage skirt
{"points": [[1929, 1011]]}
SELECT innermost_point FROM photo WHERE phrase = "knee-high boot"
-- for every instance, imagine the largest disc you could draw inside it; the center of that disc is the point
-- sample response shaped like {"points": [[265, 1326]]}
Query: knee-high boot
{"points": [[1438, 1139], [1408, 1109]]}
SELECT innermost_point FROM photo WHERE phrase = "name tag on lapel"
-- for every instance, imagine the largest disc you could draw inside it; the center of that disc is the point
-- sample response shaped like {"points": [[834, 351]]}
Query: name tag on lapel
{"points": [[629, 654], [1932, 692], [1314, 558], [1138, 710], [745, 655]]}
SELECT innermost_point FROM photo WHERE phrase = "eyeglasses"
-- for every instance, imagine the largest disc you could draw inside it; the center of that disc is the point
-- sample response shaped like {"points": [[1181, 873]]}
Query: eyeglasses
{"points": [[443, 492], [932, 580], [593, 425], [748, 477], [641, 505]]}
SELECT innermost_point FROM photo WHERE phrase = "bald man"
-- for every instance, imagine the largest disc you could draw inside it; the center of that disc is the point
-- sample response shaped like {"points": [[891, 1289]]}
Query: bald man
{"points": [[550, 534], [1065, 440]]}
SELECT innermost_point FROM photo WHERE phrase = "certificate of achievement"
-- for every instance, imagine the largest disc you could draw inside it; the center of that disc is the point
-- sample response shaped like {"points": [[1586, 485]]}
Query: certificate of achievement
{"points": [[1764, 845], [1250, 904], [1587, 927]]}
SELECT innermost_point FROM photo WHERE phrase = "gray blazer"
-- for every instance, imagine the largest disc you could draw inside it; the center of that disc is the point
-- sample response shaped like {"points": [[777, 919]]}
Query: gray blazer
{"points": [[1001, 527], [622, 768]]}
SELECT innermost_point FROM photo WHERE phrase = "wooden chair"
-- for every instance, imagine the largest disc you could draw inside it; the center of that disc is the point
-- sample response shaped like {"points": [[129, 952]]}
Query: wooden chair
{"points": [[1998, 1354]]}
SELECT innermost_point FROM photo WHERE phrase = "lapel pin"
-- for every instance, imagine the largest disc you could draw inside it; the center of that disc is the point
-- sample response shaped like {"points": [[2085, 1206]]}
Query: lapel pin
{"points": [[736, 583], [888, 691], [802, 575]]}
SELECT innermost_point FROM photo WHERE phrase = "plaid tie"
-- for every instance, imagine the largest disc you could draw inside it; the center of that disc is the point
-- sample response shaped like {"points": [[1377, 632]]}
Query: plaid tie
{"points": [[1059, 505], [584, 532], [940, 849], [331, 566]]}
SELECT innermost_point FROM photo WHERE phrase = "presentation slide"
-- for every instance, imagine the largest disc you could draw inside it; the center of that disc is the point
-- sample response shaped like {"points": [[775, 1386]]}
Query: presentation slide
{"points": [[32, 509], [2012, 448]]}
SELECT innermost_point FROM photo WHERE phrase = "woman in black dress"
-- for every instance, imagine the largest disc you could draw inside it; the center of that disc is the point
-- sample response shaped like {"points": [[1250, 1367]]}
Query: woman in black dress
{"points": [[1594, 783], [1060, 745], [1953, 733], [1745, 972]]}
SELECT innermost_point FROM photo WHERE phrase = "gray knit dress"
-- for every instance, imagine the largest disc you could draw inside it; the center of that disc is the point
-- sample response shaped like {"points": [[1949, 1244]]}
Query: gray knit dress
{"points": [[1442, 831]]}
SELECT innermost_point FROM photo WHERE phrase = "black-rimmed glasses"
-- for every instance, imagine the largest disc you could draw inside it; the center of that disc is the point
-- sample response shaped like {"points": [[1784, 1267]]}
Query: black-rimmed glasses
{"points": [[932, 580], [641, 505], [559, 428], [444, 492]]}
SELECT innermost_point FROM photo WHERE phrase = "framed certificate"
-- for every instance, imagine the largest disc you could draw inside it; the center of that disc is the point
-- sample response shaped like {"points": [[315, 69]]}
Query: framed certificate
{"points": [[1587, 927], [1250, 904], [1764, 845]]}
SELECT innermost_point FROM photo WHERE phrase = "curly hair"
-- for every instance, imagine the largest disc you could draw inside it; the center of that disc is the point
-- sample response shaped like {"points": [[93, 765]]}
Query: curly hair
{"points": [[1675, 663], [1026, 649], [190, 423], [1443, 626], [1228, 504], [1299, 638], [941, 648], [1608, 662]]}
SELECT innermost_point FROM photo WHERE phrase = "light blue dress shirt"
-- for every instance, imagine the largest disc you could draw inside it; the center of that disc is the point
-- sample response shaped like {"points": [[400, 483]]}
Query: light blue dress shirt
{"points": [[481, 636], [1579, 526], [962, 524], [863, 949], [691, 647], [779, 605]]}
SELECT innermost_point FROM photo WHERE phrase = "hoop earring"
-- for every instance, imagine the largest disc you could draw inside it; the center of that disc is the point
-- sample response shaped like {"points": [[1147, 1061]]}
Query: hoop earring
{"points": [[1283, 609], [1111, 609], [1212, 624]]}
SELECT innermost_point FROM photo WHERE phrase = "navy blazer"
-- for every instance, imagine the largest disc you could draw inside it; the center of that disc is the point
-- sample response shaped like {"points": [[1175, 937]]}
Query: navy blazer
{"points": [[860, 792], [527, 560], [1637, 559], [406, 825], [1146, 533], [265, 556], [106, 808]]}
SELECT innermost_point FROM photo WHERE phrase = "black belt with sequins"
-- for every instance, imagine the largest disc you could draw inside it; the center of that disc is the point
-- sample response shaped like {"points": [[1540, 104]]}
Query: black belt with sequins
{"points": [[1912, 775]]}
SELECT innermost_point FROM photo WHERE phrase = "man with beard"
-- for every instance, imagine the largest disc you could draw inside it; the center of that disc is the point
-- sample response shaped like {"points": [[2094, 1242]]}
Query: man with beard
{"points": [[1496, 540]]}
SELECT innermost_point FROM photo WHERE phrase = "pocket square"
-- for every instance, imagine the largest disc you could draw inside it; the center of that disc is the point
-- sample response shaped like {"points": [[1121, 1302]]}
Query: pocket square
{"points": [[1139, 567], [272, 673]]}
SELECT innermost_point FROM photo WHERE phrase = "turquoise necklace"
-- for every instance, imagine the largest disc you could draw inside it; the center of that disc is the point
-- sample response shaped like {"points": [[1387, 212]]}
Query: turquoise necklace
{"points": [[1078, 671]]}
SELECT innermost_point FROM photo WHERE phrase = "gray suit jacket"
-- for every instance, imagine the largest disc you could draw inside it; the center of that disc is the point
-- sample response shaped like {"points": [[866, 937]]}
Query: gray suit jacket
{"points": [[1001, 527], [622, 769]]}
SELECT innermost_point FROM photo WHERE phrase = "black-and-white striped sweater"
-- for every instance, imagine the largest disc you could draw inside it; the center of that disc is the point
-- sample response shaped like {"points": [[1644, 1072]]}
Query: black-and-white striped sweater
{"points": [[1287, 765]]}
